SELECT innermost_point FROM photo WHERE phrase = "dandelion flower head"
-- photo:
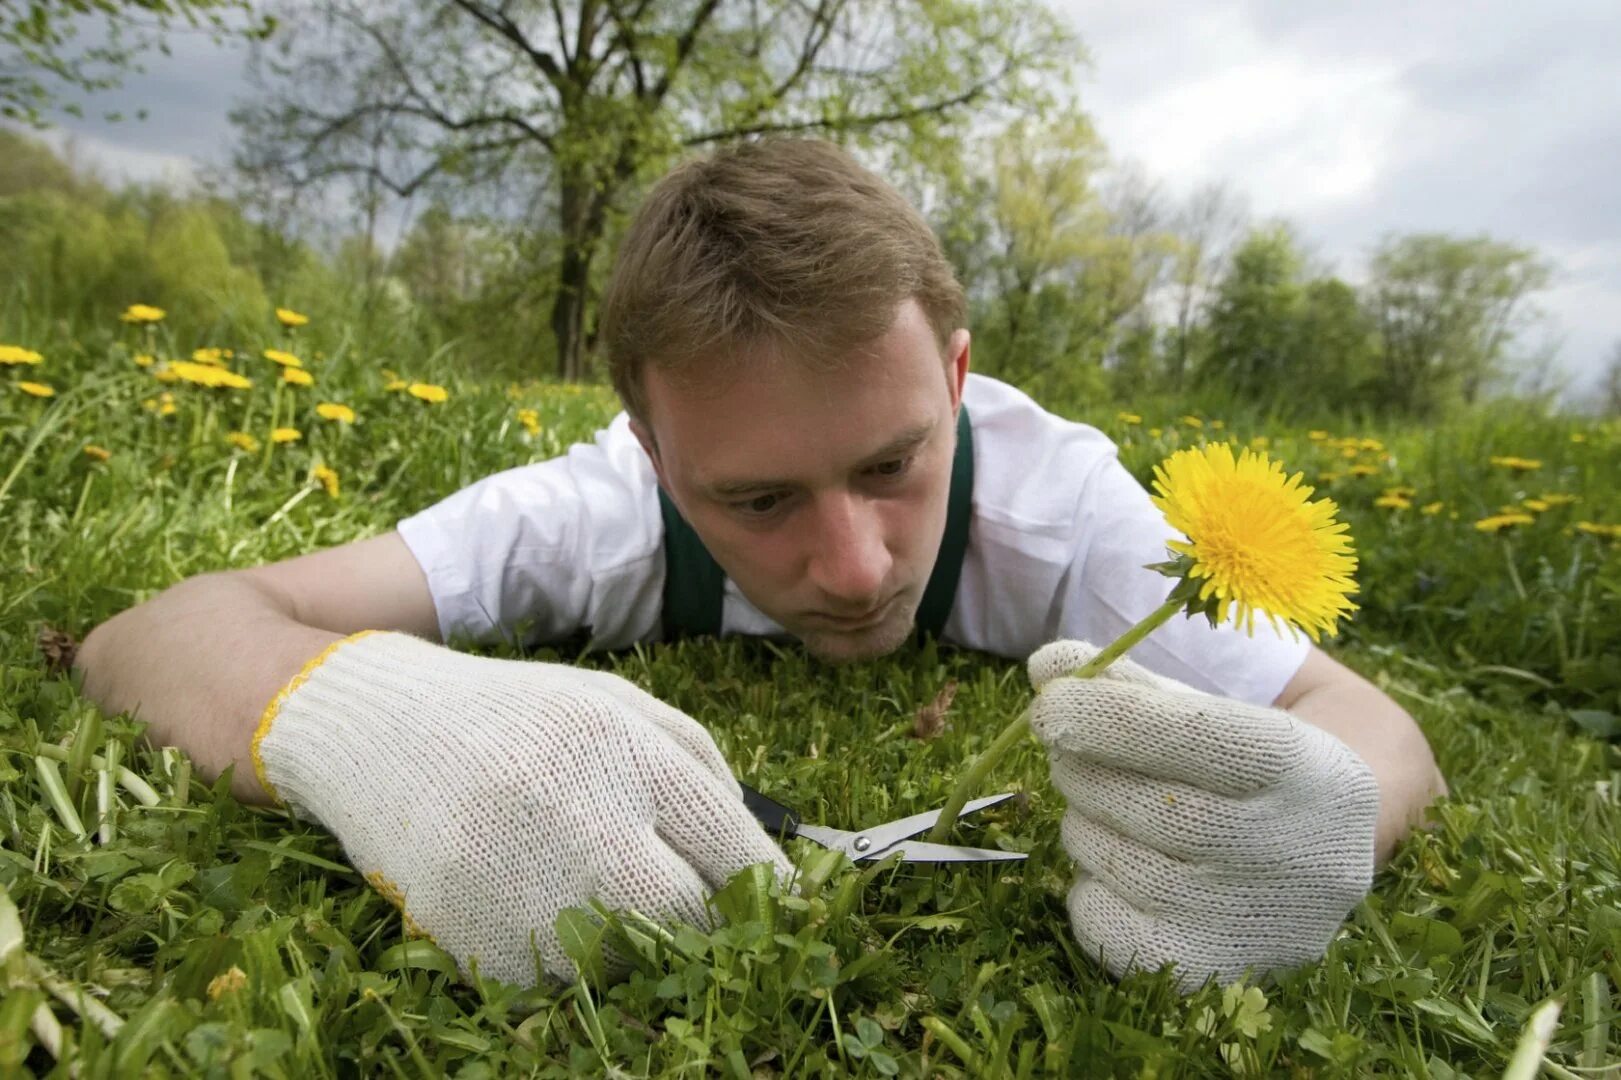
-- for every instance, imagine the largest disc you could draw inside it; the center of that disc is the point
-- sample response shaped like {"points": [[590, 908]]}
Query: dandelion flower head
{"points": [[142, 313], [285, 359], [16, 354], [331, 410], [36, 389], [434, 395], [290, 318], [285, 435], [297, 376], [1255, 540]]}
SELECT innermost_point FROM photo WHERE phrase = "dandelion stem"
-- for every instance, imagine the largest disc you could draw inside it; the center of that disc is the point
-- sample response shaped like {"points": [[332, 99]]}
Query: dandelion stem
{"points": [[971, 779]]}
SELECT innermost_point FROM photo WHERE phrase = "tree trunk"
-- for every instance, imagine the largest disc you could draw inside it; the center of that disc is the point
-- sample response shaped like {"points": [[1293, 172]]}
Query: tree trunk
{"points": [[568, 307]]}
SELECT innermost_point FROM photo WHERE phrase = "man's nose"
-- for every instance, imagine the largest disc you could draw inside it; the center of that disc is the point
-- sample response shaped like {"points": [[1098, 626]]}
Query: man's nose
{"points": [[849, 560]]}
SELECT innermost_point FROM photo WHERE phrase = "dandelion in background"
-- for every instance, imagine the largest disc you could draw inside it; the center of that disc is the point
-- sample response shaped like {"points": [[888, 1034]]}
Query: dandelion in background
{"points": [[290, 318], [202, 375], [142, 315], [331, 410], [433, 395], [1499, 522], [36, 389], [285, 359], [285, 435], [297, 377], [97, 453], [327, 478], [1128, 418], [1393, 501], [1432, 508], [213, 355], [1517, 464], [144, 359], [11, 355], [1594, 528], [243, 441], [530, 419]]}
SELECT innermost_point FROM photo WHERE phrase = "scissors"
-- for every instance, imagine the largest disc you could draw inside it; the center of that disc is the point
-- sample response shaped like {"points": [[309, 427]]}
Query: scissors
{"points": [[880, 841]]}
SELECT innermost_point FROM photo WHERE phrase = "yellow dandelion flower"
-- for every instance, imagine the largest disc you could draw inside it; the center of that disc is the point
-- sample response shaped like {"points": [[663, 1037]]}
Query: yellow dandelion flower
{"points": [[229, 982], [1328, 477], [434, 395], [16, 354], [530, 419], [1128, 418], [331, 410], [212, 355], [1255, 541], [286, 435], [243, 441], [1373, 446], [1192, 422], [1432, 508], [290, 318], [297, 377], [97, 453], [1349, 452], [1154, 432], [1393, 502], [1363, 470], [1518, 464], [144, 359], [285, 359], [1536, 505], [1594, 528], [36, 389], [1558, 498], [142, 313], [1260, 442], [1499, 522], [327, 478], [1318, 436], [202, 375], [394, 385]]}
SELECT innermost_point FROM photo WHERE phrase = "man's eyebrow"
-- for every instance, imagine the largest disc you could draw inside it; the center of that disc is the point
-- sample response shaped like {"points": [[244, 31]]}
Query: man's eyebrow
{"points": [[909, 439]]}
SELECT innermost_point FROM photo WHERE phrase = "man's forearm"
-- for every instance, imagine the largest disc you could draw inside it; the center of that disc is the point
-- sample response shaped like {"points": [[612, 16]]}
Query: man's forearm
{"points": [[199, 663], [1360, 715]]}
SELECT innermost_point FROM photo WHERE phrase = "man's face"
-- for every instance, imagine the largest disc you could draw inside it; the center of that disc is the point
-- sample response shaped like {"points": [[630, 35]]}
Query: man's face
{"points": [[822, 494]]}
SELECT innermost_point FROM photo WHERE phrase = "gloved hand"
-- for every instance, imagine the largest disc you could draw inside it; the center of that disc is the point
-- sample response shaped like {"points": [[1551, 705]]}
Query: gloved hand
{"points": [[1209, 832], [482, 796]]}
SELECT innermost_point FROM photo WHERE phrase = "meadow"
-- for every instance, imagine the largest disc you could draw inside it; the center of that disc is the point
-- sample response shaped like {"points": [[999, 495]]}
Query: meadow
{"points": [[152, 925]]}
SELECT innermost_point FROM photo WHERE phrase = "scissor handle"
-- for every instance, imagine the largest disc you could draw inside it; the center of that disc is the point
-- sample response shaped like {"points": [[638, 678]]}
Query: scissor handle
{"points": [[778, 819]]}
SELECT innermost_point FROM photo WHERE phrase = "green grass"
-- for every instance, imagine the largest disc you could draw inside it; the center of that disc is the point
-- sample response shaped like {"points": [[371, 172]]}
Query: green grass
{"points": [[1511, 901]]}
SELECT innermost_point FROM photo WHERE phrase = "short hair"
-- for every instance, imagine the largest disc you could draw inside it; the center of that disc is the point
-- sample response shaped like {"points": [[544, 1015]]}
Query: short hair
{"points": [[790, 245]]}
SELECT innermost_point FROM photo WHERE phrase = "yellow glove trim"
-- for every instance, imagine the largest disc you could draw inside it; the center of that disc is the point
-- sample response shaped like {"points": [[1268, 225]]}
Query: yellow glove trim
{"points": [[392, 893], [269, 715]]}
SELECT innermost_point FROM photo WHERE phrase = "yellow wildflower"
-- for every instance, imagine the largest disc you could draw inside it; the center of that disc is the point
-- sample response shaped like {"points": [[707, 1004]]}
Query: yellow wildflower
{"points": [[144, 359], [530, 419], [97, 453], [327, 478], [1128, 418], [285, 359], [212, 355], [434, 395], [230, 982], [1432, 508], [1256, 540], [1393, 502], [142, 313], [286, 435], [1517, 464], [331, 410], [1363, 470], [16, 354], [36, 389], [1328, 477], [1558, 498], [290, 318], [1371, 445], [1260, 442], [243, 441], [1499, 522], [203, 375], [1317, 436], [395, 384], [1192, 422], [1536, 505], [1154, 432], [1594, 528], [297, 377], [1349, 452]]}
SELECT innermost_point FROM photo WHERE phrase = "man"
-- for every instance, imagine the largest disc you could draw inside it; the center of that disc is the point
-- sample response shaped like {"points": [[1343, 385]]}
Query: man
{"points": [[803, 453]]}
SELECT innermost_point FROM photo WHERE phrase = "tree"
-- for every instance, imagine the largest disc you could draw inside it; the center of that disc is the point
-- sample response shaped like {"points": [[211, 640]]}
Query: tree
{"points": [[1610, 387], [1254, 317], [580, 101], [1204, 231], [41, 55], [1448, 311]]}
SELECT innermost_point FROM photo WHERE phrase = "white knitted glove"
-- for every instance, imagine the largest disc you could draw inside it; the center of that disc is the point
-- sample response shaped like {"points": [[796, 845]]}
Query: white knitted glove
{"points": [[1209, 832], [482, 796]]}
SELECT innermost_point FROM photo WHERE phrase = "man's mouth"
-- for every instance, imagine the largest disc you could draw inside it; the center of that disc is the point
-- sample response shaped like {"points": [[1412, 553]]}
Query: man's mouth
{"points": [[871, 618]]}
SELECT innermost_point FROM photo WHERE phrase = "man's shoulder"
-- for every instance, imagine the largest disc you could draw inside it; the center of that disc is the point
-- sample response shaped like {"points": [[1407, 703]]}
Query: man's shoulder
{"points": [[1030, 465]]}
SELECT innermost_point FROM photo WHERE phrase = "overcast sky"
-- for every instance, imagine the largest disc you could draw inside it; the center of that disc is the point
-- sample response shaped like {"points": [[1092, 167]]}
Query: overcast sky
{"points": [[1351, 120]]}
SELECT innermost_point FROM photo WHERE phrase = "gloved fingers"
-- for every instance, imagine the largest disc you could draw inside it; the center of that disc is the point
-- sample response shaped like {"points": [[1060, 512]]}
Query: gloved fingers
{"points": [[654, 880], [1180, 821], [706, 823], [1214, 743], [1059, 658], [1145, 878], [691, 736], [1113, 932]]}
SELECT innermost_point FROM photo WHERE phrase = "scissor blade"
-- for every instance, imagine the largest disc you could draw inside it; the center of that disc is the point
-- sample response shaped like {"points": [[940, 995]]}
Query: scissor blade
{"points": [[925, 852], [885, 836]]}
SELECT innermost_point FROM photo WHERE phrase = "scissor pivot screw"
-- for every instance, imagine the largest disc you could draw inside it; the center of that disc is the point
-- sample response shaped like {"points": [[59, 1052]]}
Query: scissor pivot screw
{"points": [[862, 843]]}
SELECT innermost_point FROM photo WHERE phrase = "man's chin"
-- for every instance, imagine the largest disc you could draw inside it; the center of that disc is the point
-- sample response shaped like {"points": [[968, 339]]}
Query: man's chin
{"points": [[832, 647]]}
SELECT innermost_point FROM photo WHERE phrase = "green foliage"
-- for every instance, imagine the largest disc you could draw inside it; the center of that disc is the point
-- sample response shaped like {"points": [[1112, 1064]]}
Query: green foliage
{"points": [[233, 939]]}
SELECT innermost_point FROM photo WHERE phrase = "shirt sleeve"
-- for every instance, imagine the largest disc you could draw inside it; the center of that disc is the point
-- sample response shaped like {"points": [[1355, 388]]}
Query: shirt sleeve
{"points": [[1119, 531], [546, 551]]}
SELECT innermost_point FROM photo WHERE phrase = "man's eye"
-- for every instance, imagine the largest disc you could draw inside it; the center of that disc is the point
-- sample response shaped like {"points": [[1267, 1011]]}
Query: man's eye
{"points": [[758, 506], [894, 468]]}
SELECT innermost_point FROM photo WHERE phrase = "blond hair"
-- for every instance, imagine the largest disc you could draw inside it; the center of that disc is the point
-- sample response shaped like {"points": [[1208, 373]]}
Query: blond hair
{"points": [[786, 247]]}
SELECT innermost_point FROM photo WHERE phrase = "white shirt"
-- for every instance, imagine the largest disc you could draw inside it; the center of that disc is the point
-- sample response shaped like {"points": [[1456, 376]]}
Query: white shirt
{"points": [[1057, 543]]}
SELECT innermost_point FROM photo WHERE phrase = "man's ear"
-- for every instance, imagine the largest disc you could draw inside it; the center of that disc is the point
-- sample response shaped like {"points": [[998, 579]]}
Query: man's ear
{"points": [[649, 447], [957, 365]]}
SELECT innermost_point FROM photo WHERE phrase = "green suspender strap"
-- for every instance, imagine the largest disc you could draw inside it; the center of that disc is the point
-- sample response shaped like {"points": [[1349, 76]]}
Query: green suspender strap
{"points": [[694, 584]]}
